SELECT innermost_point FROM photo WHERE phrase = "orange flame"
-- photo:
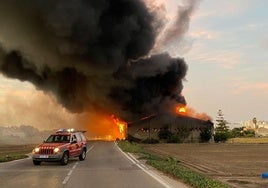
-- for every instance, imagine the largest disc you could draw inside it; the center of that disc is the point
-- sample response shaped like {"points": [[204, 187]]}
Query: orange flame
{"points": [[181, 109], [102, 126], [187, 111], [121, 126]]}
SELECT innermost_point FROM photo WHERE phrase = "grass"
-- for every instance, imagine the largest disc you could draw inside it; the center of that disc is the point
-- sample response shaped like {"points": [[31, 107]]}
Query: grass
{"points": [[172, 167], [14, 152], [12, 157], [130, 147], [260, 140]]}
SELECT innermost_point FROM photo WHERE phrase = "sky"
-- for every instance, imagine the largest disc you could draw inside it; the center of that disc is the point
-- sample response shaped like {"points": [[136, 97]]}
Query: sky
{"points": [[225, 48], [227, 59]]}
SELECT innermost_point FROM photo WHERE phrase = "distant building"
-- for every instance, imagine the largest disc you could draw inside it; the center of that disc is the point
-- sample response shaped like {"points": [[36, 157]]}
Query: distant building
{"points": [[261, 127], [234, 125], [149, 127]]}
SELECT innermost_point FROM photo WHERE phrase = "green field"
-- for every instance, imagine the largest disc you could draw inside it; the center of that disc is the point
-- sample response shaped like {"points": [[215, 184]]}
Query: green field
{"points": [[14, 152], [261, 140]]}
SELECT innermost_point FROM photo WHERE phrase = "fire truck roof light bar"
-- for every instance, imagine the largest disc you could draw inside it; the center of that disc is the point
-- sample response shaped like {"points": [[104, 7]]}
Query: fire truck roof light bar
{"points": [[69, 130]]}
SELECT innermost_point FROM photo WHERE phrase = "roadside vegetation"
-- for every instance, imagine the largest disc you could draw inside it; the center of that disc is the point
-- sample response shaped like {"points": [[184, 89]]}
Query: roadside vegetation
{"points": [[248, 140], [11, 157], [14, 152], [172, 167], [223, 133]]}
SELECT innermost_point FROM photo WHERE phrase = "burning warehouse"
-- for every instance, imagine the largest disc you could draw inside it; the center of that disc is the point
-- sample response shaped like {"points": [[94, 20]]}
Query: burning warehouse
{"points": [[158, 127]]}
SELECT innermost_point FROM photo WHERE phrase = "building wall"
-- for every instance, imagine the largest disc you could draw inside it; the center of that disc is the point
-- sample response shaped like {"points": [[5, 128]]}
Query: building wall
{"points": [[148, 128]]}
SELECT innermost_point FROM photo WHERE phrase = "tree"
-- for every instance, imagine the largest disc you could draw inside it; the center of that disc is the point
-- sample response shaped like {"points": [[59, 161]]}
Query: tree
{"points": [[241, 132], [221, 130], [256, 127], [255, 122], [237, 132]]}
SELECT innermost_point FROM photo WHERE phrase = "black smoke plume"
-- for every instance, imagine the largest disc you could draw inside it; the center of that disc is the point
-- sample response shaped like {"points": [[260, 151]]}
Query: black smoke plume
{"points": [[92, 55], [180, 25]]}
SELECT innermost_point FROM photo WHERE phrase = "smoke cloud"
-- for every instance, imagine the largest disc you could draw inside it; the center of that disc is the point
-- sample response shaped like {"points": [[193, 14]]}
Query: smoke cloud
{"points": [[34, 108], [180, 25], [92, 55]]}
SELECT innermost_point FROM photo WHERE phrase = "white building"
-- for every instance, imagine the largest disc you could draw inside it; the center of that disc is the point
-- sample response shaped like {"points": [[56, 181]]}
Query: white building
{"points": [[261, 127]]}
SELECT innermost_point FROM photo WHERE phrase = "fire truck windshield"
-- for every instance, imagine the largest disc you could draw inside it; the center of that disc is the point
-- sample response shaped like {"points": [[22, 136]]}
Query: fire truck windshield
{"points": [[58, 139]]}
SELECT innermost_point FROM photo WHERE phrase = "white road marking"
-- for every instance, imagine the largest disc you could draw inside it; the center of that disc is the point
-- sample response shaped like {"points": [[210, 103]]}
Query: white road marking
{"points": [[66, 179], [71, 171], [145, 169], [90, 148], [69, 174]]}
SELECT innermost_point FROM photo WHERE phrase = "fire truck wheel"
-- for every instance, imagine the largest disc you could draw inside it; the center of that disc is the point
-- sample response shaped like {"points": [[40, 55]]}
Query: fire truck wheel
{"points": [[64, 159], [82, 156]]}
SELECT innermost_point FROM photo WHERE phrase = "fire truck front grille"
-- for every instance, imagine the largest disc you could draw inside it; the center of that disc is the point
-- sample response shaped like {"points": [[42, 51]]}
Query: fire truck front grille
{"points": [[46, 151]]}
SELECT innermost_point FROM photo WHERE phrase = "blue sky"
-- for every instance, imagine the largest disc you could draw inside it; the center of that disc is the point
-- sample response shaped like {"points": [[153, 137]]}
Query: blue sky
{"points": [[226, 49], [228, 59]]}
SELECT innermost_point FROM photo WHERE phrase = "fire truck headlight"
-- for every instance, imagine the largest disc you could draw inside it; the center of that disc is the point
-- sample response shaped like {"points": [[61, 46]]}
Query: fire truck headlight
{"points": [[36, 150], [56, 150]]}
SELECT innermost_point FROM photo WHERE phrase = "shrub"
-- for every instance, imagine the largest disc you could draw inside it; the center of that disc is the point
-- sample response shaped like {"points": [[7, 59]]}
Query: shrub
{"points": [[221, 137], [150, 141], [205, 134], [164, 134], [175, 138]]}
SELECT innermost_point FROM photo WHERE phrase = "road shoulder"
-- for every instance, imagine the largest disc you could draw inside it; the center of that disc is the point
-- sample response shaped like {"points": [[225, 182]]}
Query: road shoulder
{"points": [[162, 178]]}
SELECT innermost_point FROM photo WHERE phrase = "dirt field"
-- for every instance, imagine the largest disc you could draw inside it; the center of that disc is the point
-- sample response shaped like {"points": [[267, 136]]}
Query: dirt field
{"points": [[239, 165]]}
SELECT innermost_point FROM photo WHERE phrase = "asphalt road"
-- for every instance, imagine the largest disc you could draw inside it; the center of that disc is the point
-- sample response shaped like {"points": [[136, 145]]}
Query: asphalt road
{"points": [[105, 166]]}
